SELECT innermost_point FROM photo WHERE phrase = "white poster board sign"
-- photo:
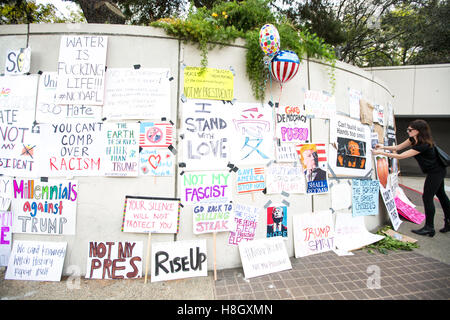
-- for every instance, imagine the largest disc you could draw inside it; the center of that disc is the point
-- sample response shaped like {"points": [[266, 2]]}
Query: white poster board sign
{"points": [[319, 104], [313, 233], [264, 256], [5, 192], [178, 260], [292, 125], [213, 218], [285, 177], [5, 236], [142, 93], [341, 196], [45, 207], [36, 260], [114, 260], [201, 187], [18, 61], [81, 69], [353, 100]]}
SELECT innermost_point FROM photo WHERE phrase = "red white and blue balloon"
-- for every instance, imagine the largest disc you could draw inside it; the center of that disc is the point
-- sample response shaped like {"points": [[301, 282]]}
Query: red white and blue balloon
{"points": [[269, 39], [284, 66]]}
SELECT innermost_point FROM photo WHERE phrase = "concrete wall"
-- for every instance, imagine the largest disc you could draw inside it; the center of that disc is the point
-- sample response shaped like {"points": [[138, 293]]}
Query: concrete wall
{"points": [[101, 199]]}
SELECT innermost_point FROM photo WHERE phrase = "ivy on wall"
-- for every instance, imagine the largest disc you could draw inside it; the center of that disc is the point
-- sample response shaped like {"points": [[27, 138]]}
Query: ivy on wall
{"points": [[227, 21]]}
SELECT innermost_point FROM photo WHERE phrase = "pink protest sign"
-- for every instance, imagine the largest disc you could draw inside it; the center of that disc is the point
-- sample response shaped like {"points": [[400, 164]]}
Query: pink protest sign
{"points": [[409, 212]]}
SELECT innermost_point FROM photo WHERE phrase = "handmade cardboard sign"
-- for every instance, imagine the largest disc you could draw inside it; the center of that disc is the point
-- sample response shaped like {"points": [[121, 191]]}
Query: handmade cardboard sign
{"points": [[250, 180], [18, 61], [5, 236], [47, 111], [285, 177], [386, 191], [319, 104], [264, 256], [253, 134], [213, 218], [292, 125], [81, 69], [178, 260], [365, 197], [201, 187], [142, 93], [147, 214], [121, 149], [19, 139], [207, 133], [156, 134], [313, 159], [366, 112], [350, 232], [73, 149], [208, 83], [277, 222], [114, 260], [246, 220], [5, 193], [313, 233], [156, 162], [409, 212], [352, 155], [44, 207], [36, 260]]}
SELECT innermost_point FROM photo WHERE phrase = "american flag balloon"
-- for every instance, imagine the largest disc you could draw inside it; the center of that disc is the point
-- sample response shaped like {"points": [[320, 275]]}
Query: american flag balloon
{"points": [[284, 66]]}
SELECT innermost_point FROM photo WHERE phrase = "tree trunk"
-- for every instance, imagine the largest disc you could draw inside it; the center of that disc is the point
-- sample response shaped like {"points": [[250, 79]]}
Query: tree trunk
{"points": [[99, 11]]}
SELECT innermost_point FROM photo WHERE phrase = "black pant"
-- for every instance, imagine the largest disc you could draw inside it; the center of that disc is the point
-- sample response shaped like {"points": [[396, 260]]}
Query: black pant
{"points": [[434, 185]]}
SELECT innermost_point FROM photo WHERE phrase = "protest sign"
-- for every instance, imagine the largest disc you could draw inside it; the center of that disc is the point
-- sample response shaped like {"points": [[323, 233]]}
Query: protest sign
{"points": [[44, 207], [73, 149], [319, 104], [285, 177], [114, 260], [149, 214], [208, 83], [264, 256], [156, 135], [142, 93], [313, 233], [382, 170], [250, 180], [36, 260], [207, 135], [121, 149], [313, 159], [156, 162], [81, 69], [366, 112], [378, 114], [365, 197], [408, 212], [47, 111], [341, 196], [5, 236], [253, 134], [354, 96], [286, 153], [178, 260], [18, 61], [277, 222], [19, 139], [206, 187], [292, 125], [350, 232], [5, 193], [352, 155], [246, 221], [213, 218]]}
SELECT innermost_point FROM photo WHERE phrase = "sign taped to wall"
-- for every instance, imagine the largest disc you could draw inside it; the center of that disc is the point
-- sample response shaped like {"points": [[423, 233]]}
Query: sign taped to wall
{"points": [[208, 83]]}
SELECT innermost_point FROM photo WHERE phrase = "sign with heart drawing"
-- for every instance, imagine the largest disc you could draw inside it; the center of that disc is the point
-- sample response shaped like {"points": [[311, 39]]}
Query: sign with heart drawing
{"points": [[156, 162]]}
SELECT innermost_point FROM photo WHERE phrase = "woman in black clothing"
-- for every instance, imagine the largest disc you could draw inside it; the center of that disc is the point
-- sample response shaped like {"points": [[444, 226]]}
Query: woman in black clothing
{"points": [[422, 148]]}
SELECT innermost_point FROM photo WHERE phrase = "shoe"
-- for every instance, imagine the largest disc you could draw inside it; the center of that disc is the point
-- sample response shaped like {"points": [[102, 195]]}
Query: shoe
{"points": [[425, 231], [446, 227]]}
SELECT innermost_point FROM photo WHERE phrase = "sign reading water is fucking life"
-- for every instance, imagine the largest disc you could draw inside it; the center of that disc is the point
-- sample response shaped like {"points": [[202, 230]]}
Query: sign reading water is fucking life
{"points": [[146, 214], [81, 69]]}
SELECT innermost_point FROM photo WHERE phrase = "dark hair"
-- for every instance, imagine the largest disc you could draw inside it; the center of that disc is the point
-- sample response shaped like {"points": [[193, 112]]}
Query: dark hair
{"points": [[424, 136]]}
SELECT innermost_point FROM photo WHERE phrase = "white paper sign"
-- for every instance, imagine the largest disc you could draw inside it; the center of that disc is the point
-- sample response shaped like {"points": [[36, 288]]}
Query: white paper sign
{"points": [[205, 187], [5, 193], [292, 125], [178, 260], [36, 260], [341, 196], [320, 104], [313, 233], [353, 97], [81, 69], [18, 61], [286, 152], [5, 236], [137, 94], [285, 177], [156, 162], [264, 256], [213, 218], [114, 260]]}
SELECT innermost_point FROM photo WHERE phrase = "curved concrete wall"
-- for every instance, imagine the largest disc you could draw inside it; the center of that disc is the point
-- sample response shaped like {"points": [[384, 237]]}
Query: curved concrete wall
{"points": [[101, 199]]}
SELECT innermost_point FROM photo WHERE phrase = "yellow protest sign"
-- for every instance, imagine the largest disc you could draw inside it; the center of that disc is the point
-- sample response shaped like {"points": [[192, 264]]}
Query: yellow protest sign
{"points": [[208, 83]]}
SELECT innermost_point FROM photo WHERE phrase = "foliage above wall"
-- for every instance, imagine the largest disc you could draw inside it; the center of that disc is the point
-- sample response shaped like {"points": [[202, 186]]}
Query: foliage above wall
{"points": [[227, 21]]}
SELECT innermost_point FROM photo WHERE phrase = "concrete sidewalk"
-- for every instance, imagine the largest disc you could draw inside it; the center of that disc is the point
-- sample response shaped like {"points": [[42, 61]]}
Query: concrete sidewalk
{"points": [[422, 274]]}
